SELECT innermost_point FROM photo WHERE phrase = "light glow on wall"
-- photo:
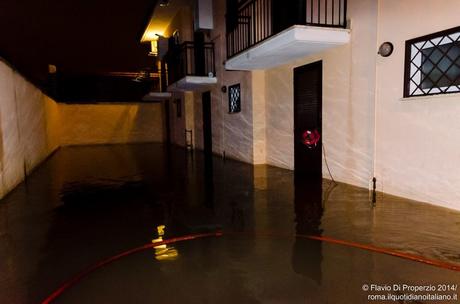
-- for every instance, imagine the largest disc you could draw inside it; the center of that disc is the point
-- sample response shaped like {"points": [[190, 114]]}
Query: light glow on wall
{"points": [[152, 34]]}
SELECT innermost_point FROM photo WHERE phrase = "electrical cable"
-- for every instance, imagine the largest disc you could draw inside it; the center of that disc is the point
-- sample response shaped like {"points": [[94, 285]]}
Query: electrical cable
{"points": [[327, 165]]}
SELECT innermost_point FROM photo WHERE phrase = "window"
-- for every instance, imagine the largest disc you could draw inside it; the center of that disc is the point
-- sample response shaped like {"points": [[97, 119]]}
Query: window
{"points": [[234, 99], [433, 64]]}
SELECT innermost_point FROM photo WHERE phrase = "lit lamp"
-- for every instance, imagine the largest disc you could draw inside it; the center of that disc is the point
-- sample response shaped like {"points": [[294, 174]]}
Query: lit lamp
{"points": [[154, 47]]}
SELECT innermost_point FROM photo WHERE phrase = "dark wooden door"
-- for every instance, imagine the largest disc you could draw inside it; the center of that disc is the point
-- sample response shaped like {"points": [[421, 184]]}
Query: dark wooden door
{"points": [[308, 117], [207, 125]]}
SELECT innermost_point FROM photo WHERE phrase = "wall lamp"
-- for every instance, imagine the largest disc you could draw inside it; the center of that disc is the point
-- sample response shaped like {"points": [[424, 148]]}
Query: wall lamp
{"points": [[386, 49]]}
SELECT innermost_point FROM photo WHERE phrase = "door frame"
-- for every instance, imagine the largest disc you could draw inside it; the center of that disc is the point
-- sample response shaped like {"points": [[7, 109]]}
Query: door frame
{"points": [[310, 66]]}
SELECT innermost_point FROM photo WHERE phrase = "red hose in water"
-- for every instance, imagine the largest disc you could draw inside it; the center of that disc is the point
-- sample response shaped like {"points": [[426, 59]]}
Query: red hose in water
{"points": [[407, 256], [105, 262]]}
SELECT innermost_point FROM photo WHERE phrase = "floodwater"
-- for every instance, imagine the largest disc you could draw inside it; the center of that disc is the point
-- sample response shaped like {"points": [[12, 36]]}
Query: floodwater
{"points": [[86, 204]]}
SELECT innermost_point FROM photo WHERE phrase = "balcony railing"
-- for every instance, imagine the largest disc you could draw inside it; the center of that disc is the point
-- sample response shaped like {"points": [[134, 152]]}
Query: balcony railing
{"points": [[250, 22], [190, 59]]}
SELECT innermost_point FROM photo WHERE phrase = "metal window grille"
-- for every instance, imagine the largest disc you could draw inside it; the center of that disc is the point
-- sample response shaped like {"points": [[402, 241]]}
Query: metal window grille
{"points": [[188, 60], [433, 64], [234, 98]]}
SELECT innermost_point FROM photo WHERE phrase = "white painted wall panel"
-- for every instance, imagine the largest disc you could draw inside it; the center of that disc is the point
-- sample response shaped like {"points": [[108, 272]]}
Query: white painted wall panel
{"points": [[418, 140], [348, 103], [27, 135]]}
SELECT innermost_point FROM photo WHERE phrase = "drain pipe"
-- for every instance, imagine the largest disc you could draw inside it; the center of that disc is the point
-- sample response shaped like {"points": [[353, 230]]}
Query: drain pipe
{"points": [[374, 192], [374, 157]]}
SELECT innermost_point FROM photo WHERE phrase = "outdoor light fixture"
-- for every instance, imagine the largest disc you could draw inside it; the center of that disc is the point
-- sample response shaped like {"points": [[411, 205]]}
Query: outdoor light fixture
{"points": [[386, 49], [154, 47], [154, 44], [164, 3]]}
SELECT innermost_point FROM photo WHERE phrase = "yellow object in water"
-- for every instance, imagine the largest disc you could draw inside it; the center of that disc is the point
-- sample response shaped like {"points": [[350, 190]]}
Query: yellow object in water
{"points": [[163, 252], [161, 230]]}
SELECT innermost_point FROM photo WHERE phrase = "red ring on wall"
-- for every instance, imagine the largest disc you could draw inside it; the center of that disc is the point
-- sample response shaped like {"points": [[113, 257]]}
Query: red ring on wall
{"points": [[310, 138]]}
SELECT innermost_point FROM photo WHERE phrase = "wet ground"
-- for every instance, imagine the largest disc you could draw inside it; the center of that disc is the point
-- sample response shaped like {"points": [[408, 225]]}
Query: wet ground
{"points": [[88, 203]]}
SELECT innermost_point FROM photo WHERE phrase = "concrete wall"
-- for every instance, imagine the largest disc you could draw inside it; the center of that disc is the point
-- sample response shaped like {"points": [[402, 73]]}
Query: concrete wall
{"points": [[28, 124], [348, 102], [32, 126], [259, 115], [418, 147], [231, 133], [110, 123], [178, 123]]}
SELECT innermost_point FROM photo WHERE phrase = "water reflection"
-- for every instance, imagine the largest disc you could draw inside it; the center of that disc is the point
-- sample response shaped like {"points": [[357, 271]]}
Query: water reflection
{"points": [[209, 181], [163, 252], [86, 204], [307, 255]]}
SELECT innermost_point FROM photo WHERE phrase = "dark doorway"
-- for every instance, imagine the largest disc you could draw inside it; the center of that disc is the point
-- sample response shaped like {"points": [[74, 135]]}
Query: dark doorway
{"points": [[308, 118], [207, 126]]}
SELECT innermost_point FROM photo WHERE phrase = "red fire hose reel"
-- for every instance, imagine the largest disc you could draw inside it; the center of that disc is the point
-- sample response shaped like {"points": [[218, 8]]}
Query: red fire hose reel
{"points": [[310, 138]]}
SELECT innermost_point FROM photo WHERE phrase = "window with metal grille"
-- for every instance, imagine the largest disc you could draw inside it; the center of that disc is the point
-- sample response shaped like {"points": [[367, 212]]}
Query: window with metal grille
{"points": [[234, 98], [433, 64]]}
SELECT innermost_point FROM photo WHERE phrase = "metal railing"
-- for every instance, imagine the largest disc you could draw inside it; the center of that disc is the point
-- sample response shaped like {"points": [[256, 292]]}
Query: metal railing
{"points": [[253, 21], [190, 59]]}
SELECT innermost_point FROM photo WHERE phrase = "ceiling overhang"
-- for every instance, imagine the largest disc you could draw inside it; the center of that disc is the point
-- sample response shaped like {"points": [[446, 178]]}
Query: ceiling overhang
{"points": [[293, 43], [157, 96], [193, 83], [161, 19]]}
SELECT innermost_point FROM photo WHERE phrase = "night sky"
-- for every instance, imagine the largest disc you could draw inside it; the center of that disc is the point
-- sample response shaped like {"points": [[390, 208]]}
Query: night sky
{"points": [[84, 37]]}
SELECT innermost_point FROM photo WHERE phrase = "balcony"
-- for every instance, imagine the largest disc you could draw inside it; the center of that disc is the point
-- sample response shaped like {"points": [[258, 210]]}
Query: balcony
{"points": [[263, 34], [191, 67]]}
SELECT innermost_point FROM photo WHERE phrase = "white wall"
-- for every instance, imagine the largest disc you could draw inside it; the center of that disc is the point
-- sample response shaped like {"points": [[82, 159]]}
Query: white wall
{"points": [[231, 133], [418, 140], [27, 123], [411, 146], [348, 102]]}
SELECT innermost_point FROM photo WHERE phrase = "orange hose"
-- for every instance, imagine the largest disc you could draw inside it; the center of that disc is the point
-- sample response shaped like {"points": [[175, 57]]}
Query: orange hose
{"points": [[68, 284], [403, 255]]}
